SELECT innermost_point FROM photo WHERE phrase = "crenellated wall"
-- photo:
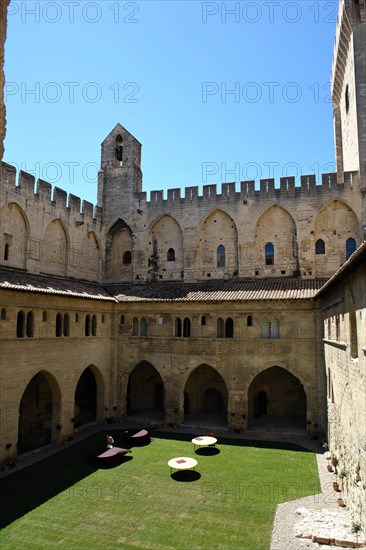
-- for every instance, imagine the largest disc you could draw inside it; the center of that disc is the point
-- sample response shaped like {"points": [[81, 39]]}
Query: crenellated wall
{"points": [[44, 230]]}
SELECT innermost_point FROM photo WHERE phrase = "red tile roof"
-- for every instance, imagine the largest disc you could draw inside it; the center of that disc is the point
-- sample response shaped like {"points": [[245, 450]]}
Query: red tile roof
{"points": [[20, 280], [207, 291]]}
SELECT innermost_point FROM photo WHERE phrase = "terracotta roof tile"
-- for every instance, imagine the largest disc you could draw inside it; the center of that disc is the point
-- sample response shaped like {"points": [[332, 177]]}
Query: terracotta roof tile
{"points": [[250, 289], [19, 280]]}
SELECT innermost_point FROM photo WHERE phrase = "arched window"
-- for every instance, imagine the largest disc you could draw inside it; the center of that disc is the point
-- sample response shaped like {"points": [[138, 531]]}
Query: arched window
{"points": [[6, 252], [221, 256], [135, 327], [170, 255], [229, 328], [143, 327], [122, 320], [186, 328], [119, 150], [30, 324], [58, 325], [275, 329], [127, 257], [87, 325], [3, 315], [249, 321], [66, 329], [350, 247], [269, 253], [203, 320], [44, 316], [178, 327], [320, 247], [94, 325], [271, 329], [220, 328], [20, 324]]}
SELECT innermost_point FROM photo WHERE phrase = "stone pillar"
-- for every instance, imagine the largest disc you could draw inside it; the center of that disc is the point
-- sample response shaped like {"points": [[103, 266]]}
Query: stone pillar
{"points": [[237, 411], [3, 20]]}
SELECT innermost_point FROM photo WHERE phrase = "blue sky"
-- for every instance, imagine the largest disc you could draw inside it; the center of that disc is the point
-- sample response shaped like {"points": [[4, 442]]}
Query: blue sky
{"points": [[215, 91]]}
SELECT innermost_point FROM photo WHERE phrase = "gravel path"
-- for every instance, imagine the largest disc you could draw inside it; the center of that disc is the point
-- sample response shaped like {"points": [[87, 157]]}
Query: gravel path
{"points": [[286, 519]]}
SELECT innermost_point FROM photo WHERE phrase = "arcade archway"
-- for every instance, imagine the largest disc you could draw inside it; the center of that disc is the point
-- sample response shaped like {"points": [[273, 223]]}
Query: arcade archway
{"points": [[145, 393], [205, 398], [38, 413], [277, 402], [85, 408]]}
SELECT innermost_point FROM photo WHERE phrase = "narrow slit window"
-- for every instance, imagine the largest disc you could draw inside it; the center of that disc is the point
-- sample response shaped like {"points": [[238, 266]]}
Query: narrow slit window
{"points": [[221, 256]]}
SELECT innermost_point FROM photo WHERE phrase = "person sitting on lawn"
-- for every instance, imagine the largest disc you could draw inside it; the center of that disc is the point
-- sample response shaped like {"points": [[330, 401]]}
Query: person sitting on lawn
{"points": [[110, 442]]}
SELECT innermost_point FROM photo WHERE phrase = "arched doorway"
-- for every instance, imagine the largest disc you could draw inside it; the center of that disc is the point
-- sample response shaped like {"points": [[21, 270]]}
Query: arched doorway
{"points": [[145, 393], [205, 398], [277, 402], [38, 413], [85, 409]]}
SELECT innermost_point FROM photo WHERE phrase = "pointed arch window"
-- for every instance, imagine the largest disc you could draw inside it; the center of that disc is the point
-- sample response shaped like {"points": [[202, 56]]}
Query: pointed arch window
{"points": [[66, 327], [170, 255], [20, 324], [186, 328], [269, 253], [220, 328], [127, 257], [320, 247], [58, 325], [143, 327], [94, 326], [350, 247], [178, 327], [135, 327], [29, 328], [87, 325], [119, 150], [221, 256], [229, 328]]}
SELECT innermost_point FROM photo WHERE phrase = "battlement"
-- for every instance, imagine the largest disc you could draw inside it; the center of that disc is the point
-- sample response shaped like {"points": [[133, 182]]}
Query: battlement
{"points": [[267, 190], [42, 191]]}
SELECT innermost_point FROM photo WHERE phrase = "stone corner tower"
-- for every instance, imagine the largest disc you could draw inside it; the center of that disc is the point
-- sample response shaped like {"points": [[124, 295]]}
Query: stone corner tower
{"points": [[349, 89], [120, 176]]}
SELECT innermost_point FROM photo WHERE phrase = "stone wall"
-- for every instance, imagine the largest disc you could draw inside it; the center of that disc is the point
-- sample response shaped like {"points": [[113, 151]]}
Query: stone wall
{"points": [[344, 313]]}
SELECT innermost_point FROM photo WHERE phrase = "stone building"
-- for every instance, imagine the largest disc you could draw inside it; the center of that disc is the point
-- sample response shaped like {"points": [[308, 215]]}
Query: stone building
{"points": [[190, 308]]}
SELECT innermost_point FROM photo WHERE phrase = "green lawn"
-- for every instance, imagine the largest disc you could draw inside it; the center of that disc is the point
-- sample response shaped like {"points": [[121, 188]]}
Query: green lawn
{"points": [[227, 504]]}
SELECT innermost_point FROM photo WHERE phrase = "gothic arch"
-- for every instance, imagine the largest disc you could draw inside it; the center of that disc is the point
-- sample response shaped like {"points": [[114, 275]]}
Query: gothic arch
{"points": [[90, 259], [145, 390], [278, 396], [55, 248], [88, 397], [275, 245], [335, 223], [119, 241], [14, 233], [39, 412], [217, 246], [165, 246], [206, 394]]}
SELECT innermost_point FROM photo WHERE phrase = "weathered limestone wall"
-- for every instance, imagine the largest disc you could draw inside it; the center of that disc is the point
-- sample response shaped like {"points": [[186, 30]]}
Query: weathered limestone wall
{"points": [[3, 13], [238, 360], [344, 312], [62, 359]]}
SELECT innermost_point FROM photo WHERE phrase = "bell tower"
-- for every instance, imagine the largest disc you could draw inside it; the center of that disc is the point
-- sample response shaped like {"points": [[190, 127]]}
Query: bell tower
{"points": [[349, 89], [120, 176]]}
